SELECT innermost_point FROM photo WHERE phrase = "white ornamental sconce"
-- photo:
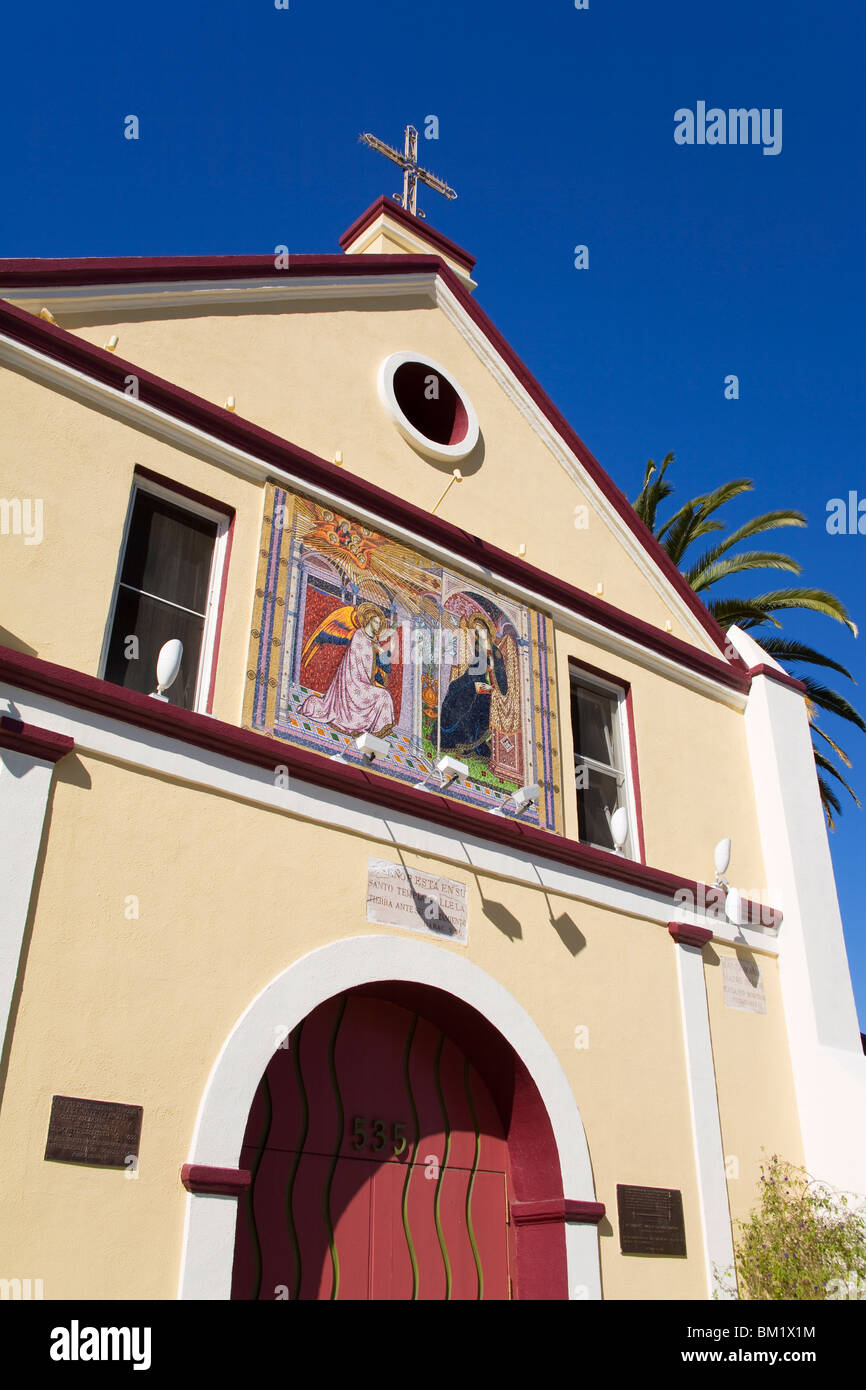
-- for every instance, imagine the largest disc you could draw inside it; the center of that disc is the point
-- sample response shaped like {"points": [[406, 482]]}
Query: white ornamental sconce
{"points": [[167, 668]]}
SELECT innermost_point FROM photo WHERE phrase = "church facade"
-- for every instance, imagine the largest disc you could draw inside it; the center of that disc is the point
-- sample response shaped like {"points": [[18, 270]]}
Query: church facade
{"points": [[369, 927]]}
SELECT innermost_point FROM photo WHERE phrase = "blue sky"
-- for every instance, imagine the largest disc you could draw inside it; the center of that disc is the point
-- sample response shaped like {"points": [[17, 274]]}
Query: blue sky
{"points": [[556, 129]]}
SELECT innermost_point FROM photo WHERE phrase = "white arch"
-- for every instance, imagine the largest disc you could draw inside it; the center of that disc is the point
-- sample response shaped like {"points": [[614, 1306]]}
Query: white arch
{"points": [[208, 1245]]}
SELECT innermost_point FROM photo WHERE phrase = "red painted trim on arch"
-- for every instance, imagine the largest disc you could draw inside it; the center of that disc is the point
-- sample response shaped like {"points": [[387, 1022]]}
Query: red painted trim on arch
{"points": [[215, 1182], [413, 224], [687, 935], [35, 742], [557, 1209], [184, 405], [260, 750]]}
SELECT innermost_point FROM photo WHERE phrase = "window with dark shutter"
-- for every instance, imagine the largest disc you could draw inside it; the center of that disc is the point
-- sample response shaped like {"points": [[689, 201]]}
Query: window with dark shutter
{"points": [[165, 590]]}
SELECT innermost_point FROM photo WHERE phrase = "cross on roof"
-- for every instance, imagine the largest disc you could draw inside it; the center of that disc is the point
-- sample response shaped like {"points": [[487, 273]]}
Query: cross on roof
{"points": [[408, 162]]}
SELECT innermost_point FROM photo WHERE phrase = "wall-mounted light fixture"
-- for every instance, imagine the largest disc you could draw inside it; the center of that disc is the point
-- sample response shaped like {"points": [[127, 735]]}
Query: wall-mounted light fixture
{"points": [[522, 799], [619, 829], [456, 477], [111, 344], [167, 668], [371, 747]]}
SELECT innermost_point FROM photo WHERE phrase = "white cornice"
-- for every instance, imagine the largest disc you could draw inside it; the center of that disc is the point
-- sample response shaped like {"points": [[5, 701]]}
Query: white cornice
{"points": [[414, 245], [144, 750], [170, 294], [140, 414]]}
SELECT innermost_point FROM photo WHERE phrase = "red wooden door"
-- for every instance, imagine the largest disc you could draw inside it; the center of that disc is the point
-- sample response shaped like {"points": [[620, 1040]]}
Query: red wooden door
{"points": [[379, 1166]]}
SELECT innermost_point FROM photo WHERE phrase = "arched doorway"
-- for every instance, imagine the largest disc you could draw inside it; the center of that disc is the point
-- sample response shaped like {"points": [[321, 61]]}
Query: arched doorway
{"points": [[379, 1164], [552, 1235]]}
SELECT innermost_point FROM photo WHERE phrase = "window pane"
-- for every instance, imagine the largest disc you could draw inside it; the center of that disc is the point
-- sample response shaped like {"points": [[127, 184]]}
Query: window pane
{"points": [[594, 726], [168, 552], [596, 802], [154, 624]]}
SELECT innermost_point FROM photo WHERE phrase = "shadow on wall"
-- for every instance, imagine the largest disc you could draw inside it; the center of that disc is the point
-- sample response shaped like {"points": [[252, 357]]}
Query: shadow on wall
{"points": [[8, 639]]}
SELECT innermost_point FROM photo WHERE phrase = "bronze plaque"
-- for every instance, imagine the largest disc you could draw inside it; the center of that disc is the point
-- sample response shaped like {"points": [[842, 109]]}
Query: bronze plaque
{"points": [[100, 1132], [651, 1220]]}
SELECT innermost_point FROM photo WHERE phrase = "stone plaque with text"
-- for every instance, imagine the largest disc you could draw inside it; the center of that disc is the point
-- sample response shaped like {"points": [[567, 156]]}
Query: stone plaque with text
{"points": [[651, 1220], [100, 1132], [422, 902], [743, 985]]}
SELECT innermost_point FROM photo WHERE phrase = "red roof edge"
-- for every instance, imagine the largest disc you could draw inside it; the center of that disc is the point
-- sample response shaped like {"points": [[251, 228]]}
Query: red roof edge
{"points": [[413, 224]]}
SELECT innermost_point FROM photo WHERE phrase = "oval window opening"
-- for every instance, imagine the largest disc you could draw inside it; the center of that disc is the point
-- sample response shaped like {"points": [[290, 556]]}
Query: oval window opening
{"points": [[430, 403]]}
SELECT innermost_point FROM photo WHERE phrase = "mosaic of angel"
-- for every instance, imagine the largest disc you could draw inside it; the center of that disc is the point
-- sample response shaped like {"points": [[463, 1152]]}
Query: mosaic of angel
{"points": [[357, 701]]}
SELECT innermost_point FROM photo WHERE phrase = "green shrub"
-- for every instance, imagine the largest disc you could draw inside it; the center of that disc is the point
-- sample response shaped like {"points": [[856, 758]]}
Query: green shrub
{"points": [[804, 1240]]}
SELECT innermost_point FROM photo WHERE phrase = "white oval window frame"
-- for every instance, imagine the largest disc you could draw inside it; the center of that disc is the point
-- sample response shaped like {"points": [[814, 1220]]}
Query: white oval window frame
{"points": [[445, 453]]}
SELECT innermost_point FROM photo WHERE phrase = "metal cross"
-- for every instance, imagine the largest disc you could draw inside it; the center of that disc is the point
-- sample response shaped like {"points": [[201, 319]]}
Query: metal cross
{"points": [[408, 162]]}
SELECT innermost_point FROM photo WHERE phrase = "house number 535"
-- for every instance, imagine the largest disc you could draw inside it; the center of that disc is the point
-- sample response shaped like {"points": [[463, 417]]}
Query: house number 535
{"points": [[373, 1134]]}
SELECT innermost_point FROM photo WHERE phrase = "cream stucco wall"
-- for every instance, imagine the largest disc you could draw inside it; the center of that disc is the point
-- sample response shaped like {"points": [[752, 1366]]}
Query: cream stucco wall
{"points": [[80, 462], [753, 1078], [693, 769], [694, 773], [228, 895], [309, 371]]}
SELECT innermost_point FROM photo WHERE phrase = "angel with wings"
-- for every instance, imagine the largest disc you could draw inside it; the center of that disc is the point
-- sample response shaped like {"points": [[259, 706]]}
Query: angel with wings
{"points": [[357, 700]]}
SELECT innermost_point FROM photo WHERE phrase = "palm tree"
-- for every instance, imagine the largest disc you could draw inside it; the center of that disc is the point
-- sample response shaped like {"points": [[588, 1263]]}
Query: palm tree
{"points": [[698, 518]]}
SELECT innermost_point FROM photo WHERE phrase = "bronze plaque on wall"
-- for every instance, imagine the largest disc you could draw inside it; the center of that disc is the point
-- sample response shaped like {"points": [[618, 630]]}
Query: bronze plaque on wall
{"points": [[100, 1132], [651, 1220]]}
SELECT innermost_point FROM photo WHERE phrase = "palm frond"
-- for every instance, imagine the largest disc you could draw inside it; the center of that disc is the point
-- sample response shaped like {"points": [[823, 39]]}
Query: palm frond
{"points": [[745, 612], [817, 600], [653, 492], [829, 801], [822, 762], [741, 564], [769, 521], [787, 649], [831, 700], [840, 752]]}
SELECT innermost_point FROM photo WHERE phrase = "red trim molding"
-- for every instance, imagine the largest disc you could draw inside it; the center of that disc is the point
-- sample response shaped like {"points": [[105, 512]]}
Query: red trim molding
{"points": [[172, 485], [149, 270], [215, 1182], [687, 935], [37, 743], [183, 405], [780, 677], [260, 750], [556, 1209], [412, 224]]}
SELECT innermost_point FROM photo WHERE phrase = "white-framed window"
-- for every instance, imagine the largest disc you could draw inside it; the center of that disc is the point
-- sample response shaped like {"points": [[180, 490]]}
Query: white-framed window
{"points": [[603, 778], [168, 584]]}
